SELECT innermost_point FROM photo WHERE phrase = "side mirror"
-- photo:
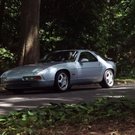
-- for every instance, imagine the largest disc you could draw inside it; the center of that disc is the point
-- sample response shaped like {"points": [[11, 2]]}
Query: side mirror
{"points": [[84, 60]]}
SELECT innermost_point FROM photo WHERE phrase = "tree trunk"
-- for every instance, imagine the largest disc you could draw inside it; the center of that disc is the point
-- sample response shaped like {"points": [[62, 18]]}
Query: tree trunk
{"points": [[2, 10], [29, 31]]}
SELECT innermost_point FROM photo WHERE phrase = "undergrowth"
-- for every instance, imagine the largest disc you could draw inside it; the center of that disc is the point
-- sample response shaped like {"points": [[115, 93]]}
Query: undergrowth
{"points": [[29, 121]]}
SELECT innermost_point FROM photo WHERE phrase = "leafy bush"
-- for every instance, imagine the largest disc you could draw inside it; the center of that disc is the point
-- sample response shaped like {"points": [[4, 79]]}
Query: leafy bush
{"points": [[30, 121], [7, 59]]}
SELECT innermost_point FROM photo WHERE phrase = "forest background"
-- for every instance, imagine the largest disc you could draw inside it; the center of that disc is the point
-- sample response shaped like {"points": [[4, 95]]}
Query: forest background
{"points": [[104, 26]]}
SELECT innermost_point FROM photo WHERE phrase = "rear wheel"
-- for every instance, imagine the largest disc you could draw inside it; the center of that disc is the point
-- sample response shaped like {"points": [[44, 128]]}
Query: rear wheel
{"points": [[62, 81], [108, 79]]}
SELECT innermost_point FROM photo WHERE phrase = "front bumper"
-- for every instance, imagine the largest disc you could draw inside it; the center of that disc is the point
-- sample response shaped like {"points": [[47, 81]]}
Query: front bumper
{"points": [[19, 84]]}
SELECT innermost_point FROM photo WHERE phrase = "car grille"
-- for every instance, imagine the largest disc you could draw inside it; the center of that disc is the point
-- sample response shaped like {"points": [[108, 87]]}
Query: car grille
{"points": [[17, 84]]}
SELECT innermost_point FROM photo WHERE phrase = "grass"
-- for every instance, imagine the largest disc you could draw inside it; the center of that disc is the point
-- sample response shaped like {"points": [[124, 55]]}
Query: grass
{"points": [[125, 81]]}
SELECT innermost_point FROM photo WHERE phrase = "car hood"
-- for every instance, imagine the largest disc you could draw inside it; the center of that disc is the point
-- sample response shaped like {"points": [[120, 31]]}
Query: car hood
{"points": [[28, 70]]}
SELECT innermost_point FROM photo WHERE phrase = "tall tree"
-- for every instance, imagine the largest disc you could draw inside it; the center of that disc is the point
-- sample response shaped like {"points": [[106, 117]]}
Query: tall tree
{"points": [[2, 8], [30, 13]]}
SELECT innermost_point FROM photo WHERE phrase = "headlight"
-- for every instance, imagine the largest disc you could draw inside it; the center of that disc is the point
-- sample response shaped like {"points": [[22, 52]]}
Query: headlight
{"points": [[31, 78]]}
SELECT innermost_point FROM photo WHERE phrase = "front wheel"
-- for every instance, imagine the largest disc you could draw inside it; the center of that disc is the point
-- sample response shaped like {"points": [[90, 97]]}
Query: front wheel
{"points": [[62, 81], [108, 79]]}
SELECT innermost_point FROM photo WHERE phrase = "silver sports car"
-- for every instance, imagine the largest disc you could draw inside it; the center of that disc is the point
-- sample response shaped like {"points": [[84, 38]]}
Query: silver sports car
{"points": [[61, 69]]}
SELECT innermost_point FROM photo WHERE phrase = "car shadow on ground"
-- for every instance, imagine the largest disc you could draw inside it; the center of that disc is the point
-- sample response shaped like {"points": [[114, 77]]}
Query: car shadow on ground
{"points": [[52, 90]]}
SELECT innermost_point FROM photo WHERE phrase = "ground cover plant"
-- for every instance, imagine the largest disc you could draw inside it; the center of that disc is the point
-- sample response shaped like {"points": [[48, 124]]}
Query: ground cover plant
{"points": [[73, 119]]}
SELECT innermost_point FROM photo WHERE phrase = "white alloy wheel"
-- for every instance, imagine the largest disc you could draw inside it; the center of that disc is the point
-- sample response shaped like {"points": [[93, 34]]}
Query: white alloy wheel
{"points": [[62, 81], [108, 79]]}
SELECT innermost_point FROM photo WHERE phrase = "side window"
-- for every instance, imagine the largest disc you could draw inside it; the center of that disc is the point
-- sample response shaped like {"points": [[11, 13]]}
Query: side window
{"points": [[88, 56]]}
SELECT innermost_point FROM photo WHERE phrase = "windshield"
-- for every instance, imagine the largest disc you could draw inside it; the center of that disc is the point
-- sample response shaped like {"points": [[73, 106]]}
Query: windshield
{"points": [[61, 56]]}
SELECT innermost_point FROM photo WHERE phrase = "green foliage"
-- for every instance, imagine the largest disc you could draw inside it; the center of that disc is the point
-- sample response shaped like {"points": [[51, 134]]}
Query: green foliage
{"points": [[6, 59], [10, 26], [29, 121], [105, 26], [73, 23]]}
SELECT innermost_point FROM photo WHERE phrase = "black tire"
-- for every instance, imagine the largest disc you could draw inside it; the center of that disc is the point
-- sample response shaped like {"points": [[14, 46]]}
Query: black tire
{"points": [[62, 81], [108, 79]]}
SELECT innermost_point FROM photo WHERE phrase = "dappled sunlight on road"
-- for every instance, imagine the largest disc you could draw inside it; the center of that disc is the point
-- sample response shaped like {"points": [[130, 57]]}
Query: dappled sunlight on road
{"points": [[10, 102], [4, 104], [20, 102], [115, 96]]}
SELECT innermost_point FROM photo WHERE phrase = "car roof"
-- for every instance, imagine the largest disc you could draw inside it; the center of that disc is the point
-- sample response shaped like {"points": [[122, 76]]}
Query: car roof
{"points": [[79, 50]]}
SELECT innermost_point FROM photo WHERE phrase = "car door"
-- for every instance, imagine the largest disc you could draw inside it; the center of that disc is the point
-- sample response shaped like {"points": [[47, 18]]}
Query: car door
{"points": [[89, 68]]}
